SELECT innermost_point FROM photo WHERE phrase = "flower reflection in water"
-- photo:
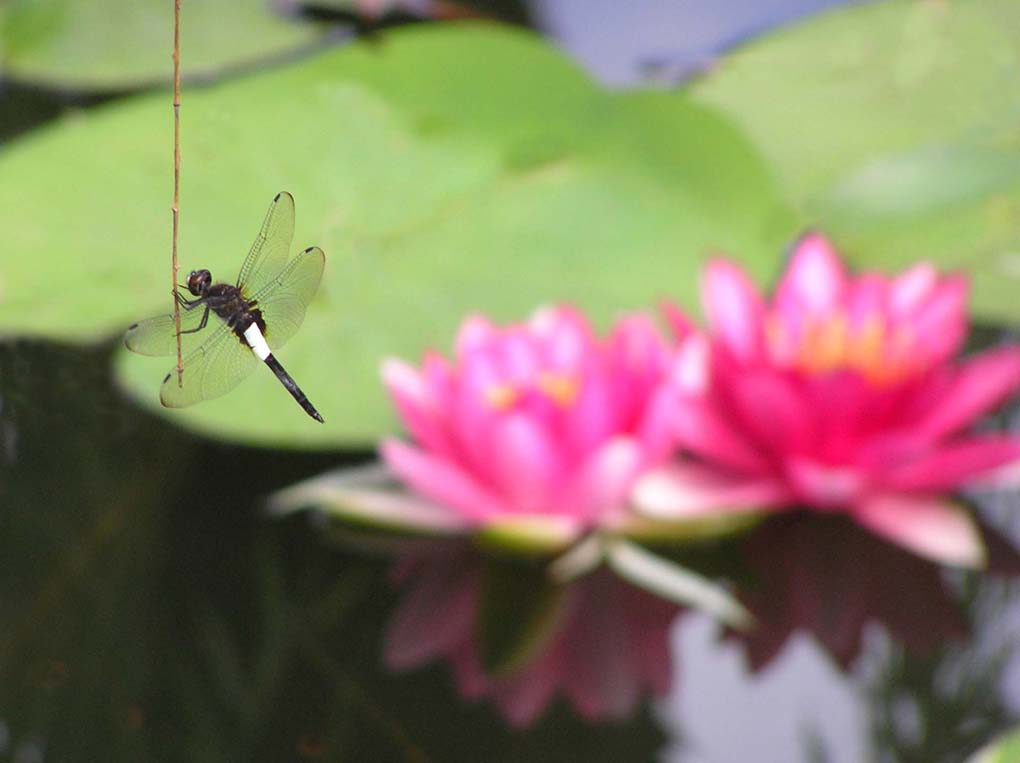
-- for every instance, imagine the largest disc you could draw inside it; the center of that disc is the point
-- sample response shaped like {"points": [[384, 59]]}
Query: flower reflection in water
{"points": [[828, 578], [839, 393], [600, 643]]}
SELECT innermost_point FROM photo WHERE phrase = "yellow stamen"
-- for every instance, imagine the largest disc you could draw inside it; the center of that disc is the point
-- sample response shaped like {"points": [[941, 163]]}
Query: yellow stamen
{"points": [[866, 352], [500, 396], [559, 388], [824, 345], [777, 338], [879, 352]]}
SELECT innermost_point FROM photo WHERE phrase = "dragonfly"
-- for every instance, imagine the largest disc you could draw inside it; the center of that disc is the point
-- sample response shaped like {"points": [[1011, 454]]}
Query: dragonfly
{"points": [[251, 318]]}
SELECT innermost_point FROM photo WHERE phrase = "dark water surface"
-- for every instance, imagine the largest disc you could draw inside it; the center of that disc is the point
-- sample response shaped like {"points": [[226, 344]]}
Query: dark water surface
{"points": [[150, 610]]}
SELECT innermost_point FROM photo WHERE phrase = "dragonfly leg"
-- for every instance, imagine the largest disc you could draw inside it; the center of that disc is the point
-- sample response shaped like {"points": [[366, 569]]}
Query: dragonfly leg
{"points": [[201, 325], [187, 304]]}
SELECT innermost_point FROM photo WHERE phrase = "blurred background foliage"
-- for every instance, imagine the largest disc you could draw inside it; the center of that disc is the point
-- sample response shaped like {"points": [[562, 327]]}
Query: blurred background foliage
{"points": [[459, 167]]}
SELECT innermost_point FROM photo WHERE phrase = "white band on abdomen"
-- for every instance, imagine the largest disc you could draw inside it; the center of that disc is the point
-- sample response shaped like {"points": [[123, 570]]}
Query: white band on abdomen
{"points": [[256, 341]]}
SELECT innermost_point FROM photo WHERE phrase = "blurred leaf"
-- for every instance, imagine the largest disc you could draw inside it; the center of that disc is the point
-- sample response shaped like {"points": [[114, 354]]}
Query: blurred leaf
{"points": [[444, 170], [534, 535], [894, 126], [675, 583], [370, 498], [1003, 750], [124, 44], [520, 609]]}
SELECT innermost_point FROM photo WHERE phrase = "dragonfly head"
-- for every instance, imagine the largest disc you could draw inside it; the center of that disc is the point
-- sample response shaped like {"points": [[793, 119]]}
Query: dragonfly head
{"points": [[199, 282]]}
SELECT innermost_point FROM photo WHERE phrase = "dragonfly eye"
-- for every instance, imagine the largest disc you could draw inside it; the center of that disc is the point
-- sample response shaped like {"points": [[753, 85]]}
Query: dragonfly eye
{"points": [[199, 281]]}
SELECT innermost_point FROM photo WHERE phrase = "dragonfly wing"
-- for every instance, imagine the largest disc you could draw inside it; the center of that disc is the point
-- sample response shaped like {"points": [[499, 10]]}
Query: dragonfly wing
{"points": [[284, 299], [271, 249], [213, 369], [156, 336]]}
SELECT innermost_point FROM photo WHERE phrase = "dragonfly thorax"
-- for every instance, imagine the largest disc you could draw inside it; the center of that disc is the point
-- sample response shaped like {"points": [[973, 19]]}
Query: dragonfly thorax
{"points": [[199, 282]]}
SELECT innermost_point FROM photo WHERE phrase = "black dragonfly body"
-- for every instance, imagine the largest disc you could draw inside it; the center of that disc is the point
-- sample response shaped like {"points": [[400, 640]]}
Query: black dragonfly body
{"points": [[256, 315]]}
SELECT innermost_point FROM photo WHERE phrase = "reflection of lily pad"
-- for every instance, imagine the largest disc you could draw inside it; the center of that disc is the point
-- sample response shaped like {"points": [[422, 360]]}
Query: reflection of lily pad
{"points": [[122, 44], [896, 127], [520, 610], [443, 171]]}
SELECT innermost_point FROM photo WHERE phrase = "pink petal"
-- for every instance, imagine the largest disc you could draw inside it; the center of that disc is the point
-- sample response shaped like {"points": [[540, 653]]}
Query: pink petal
{"points": [[473, 411], [476, 331], [940, 324], [815, 279], [439, 378], [734, 308], [417, 408], [773, 411], [565, 334], [519, 358], [677, 320], [603, 482], [592, 418], [635, 345], [442, 481], [823, 485], [911, 288], [527, 463], [702, 430], [691, 368], [684, 489], [434, 615], [979, 384], [934, 528], [955, 464], [656, 425], [867, 298]]}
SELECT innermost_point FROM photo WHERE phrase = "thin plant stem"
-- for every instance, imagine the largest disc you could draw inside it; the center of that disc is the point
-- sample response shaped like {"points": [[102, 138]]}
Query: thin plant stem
{"points": [[175, 209]]}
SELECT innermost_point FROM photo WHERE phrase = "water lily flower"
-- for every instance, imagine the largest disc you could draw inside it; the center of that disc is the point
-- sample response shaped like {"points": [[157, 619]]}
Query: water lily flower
{"points": [[539, 421], [838, 393], [600, 643]]}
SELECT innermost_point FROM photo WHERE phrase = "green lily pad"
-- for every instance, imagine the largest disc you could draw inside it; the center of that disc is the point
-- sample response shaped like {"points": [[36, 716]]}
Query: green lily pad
{"points": [[125, 44], [443, 170], [894, 126]]}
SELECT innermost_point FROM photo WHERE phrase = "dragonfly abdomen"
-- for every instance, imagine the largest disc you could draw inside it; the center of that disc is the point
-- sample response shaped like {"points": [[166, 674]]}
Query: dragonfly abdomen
{"points": [[253, 336]]}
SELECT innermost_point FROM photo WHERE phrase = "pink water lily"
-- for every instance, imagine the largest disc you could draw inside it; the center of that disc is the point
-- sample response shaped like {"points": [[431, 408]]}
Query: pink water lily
{"points": [[542, 419], [838, 393]]}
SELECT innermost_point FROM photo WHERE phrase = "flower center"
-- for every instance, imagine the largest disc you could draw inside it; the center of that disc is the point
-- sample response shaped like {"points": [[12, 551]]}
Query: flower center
{"points": [[501, 397], [559, 388], [879, 352]]}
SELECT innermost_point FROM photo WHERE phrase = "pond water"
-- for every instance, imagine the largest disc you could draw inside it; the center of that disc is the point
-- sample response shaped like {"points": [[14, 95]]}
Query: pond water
{"points": [[153, 611]]}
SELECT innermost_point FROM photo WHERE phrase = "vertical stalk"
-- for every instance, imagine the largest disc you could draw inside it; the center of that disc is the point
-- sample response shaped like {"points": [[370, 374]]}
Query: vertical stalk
{"points": [[175, 209]]}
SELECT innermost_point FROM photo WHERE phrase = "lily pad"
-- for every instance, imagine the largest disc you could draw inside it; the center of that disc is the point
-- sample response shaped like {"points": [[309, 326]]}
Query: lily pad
{"points": [[125, 44], [894, 126], [443, 170]]}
